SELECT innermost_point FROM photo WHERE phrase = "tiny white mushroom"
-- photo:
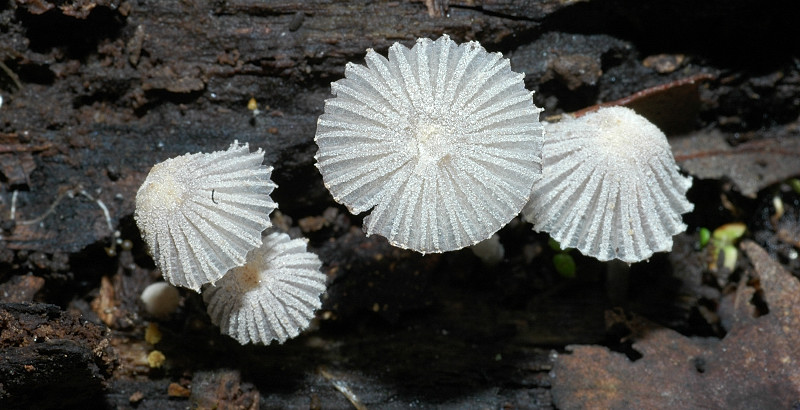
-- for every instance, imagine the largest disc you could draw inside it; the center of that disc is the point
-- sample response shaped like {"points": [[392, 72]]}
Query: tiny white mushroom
{"points": [[160, 299], [273, 296], [610, 187], [441, 141], [201, 213]]}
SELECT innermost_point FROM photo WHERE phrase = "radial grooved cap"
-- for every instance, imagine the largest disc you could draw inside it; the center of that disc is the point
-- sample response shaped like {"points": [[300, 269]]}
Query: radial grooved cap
{"points": [[201, 213], [610, 187], [441, 142], [272, 297]]}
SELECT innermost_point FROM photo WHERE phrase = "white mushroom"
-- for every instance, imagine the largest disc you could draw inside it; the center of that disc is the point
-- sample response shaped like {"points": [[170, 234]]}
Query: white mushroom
{"points": [[201, 213], [441, 141], [272, 297], [609, 187]]}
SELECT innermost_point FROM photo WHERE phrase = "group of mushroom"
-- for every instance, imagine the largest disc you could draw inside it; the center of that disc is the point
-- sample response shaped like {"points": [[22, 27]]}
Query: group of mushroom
{"points": [[205, 219], [442, 144]]}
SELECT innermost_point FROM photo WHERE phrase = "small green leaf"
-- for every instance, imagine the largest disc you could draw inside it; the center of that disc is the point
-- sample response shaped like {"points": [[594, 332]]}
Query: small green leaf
{"points": [[564, 264], [705, 235], [795, 184]]}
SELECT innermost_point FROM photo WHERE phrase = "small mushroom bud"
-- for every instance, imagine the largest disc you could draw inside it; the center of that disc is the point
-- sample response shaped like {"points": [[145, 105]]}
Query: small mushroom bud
{"points": [[160, 299], [610, 187]]}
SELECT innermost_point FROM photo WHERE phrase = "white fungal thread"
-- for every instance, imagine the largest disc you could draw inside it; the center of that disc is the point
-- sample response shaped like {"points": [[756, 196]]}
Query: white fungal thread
{"points": [[49, 210], [102, 207], [13, 212], [115, 240], [441, 142], [69, 193]]}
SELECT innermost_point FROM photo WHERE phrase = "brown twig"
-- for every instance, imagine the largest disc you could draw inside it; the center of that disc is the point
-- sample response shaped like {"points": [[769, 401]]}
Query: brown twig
{"points": [[4, 148]]}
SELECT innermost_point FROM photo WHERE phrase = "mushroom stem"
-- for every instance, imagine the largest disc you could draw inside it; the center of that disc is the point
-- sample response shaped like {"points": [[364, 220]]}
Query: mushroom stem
{"points": [[489, 251], [617, 281]]}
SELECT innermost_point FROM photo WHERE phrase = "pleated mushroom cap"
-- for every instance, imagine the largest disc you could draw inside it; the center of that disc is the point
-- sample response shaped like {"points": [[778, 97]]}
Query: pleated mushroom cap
{"points": [[610, 187], [272, 297], [441, 141], [201, 213]]}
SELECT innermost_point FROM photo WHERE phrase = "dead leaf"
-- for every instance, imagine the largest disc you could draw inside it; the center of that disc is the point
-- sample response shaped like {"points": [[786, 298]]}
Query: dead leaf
{"points": [[781, 291], [751, 166], [176, 390], [672, 106], [105, 304], [756, 365]]}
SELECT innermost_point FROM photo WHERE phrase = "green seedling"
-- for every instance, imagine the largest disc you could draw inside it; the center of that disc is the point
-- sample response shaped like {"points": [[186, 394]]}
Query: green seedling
{"points": [[723, 240]]}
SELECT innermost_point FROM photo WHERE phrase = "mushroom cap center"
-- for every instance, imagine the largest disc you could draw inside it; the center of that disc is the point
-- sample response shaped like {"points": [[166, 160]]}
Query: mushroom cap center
{"points": [[164, 189], [434, 143], [624, 135], [169, 191], [617, 138], [249, 276]]}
